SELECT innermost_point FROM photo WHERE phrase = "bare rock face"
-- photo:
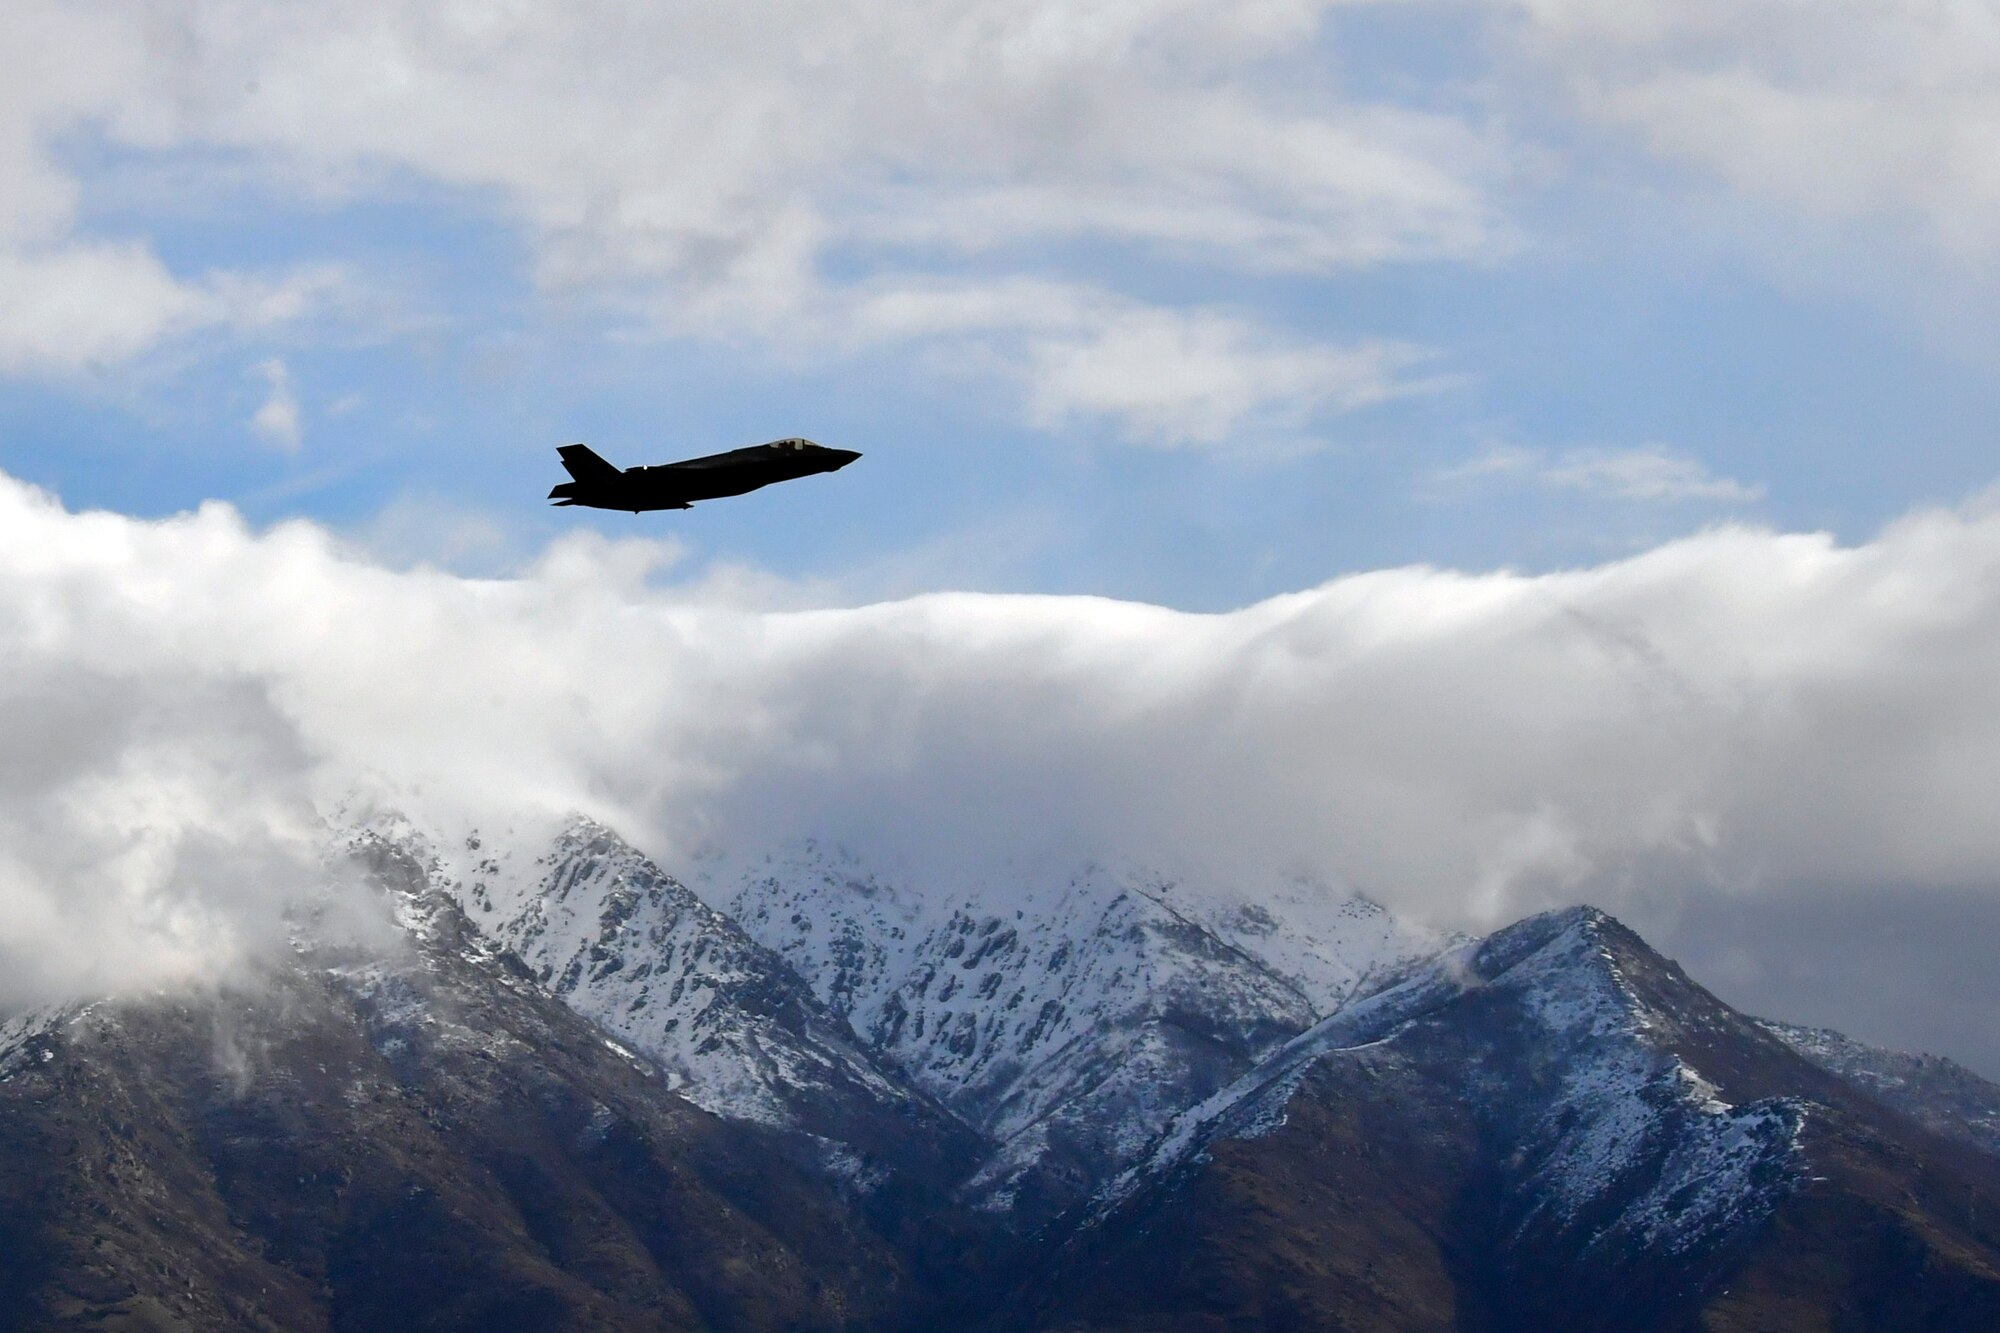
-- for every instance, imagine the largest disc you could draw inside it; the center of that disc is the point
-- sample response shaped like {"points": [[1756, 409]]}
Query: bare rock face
{"points": [[560, 1088]]}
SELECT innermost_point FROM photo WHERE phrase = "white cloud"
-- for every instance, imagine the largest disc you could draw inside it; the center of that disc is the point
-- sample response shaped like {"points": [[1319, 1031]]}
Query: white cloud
{"points": [[277, 418], [711, 148], [1173, 377], [70, 301], [711, 169], [1752, 712], [90, 304], [1651, 474], [149, 827], [1220, 178], [1855, 108], [763, 170]]}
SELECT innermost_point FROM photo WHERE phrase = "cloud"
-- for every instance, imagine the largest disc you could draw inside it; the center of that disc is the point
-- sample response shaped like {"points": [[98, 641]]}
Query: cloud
{"points": [[1883, 109], [89, 304], [1164, 376], [723, 151], [277, 419], [151, 830], [75, 301], [1752, 716], [763, 171], [1652, 474], [1177, 378]]}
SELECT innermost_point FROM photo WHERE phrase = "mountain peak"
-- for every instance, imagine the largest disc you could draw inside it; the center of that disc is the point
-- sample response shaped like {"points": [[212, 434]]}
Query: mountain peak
{"points": [[1066, 1014]]}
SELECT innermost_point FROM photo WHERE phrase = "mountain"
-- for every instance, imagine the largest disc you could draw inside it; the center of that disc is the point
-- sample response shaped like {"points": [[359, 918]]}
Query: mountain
{"points": [[1066, 1017], [544, 1084], [1940, 1094], [1551, 1128], [409, 1135], [738, 1031]]}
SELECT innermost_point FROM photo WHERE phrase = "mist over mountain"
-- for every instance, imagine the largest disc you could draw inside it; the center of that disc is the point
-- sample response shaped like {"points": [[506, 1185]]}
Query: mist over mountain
{"points": [[1169, 970], [1741, 726]]}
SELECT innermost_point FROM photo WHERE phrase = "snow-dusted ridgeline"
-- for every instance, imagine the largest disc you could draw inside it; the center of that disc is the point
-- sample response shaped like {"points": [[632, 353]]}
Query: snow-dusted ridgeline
{"points": [[1100, 1030], [627, 946], [1938, 1093], [1569, 1066], [1067, 1016]]}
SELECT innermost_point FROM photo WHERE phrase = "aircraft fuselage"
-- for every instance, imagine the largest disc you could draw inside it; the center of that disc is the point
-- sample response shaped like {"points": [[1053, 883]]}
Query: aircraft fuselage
{"points": [[599, 485]]}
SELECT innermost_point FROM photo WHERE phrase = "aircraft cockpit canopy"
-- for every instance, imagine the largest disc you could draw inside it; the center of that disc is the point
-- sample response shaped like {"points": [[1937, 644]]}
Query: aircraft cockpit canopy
{"points": [[794, 443]]}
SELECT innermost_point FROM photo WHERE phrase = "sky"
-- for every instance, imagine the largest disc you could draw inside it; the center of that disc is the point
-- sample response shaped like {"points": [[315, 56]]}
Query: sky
{"points": [[1489, 454]]}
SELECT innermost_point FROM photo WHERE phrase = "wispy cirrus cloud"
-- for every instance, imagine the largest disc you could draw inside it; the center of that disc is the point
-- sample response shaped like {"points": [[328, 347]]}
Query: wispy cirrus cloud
{"points": [[1204, 378], [1649, 474], [277, 420], [1171, 377]]}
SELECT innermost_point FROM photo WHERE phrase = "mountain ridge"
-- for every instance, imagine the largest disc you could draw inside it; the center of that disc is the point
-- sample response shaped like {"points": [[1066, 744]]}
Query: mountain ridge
{"points": [[551, 1042], [1636, 1206]]}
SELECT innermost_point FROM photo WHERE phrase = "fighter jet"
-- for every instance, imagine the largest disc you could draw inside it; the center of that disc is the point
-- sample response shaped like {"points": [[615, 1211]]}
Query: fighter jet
{"points": [[678, 485]]}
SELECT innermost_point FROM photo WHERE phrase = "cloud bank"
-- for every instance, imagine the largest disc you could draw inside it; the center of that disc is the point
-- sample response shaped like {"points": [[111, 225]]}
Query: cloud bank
{"points": [[1741, 717]]}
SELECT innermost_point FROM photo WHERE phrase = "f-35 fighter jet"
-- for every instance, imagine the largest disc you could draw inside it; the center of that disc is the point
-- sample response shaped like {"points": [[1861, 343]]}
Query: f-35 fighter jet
{"points": [[678, 485]]}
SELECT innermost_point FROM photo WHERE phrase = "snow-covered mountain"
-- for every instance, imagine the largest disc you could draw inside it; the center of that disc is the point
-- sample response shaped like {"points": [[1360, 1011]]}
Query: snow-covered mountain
{"points": [[1062, 1019], [737, 1031], [1067, 1017], [399, 1130], [1333, 946], [555, 1086], [1938, 1093], [1614, 1108], [1549, 1128]]}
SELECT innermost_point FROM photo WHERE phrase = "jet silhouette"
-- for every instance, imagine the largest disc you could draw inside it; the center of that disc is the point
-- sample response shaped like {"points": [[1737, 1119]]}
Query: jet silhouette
{"points": [[678, 485]]}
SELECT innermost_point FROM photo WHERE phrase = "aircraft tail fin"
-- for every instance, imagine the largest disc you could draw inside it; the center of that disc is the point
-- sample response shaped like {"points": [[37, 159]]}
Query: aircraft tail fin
{"points": [[585, 465]]}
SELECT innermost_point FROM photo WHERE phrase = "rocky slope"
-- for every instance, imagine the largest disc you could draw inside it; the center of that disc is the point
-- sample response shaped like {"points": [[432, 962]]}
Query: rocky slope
{"points": [[1550, 1128], [1940, 1094], [416, 1137], [737, 1030]]}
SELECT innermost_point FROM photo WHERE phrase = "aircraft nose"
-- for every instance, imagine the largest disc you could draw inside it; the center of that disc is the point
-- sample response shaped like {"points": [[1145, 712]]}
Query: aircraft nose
{"points": [[842, 457]]}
